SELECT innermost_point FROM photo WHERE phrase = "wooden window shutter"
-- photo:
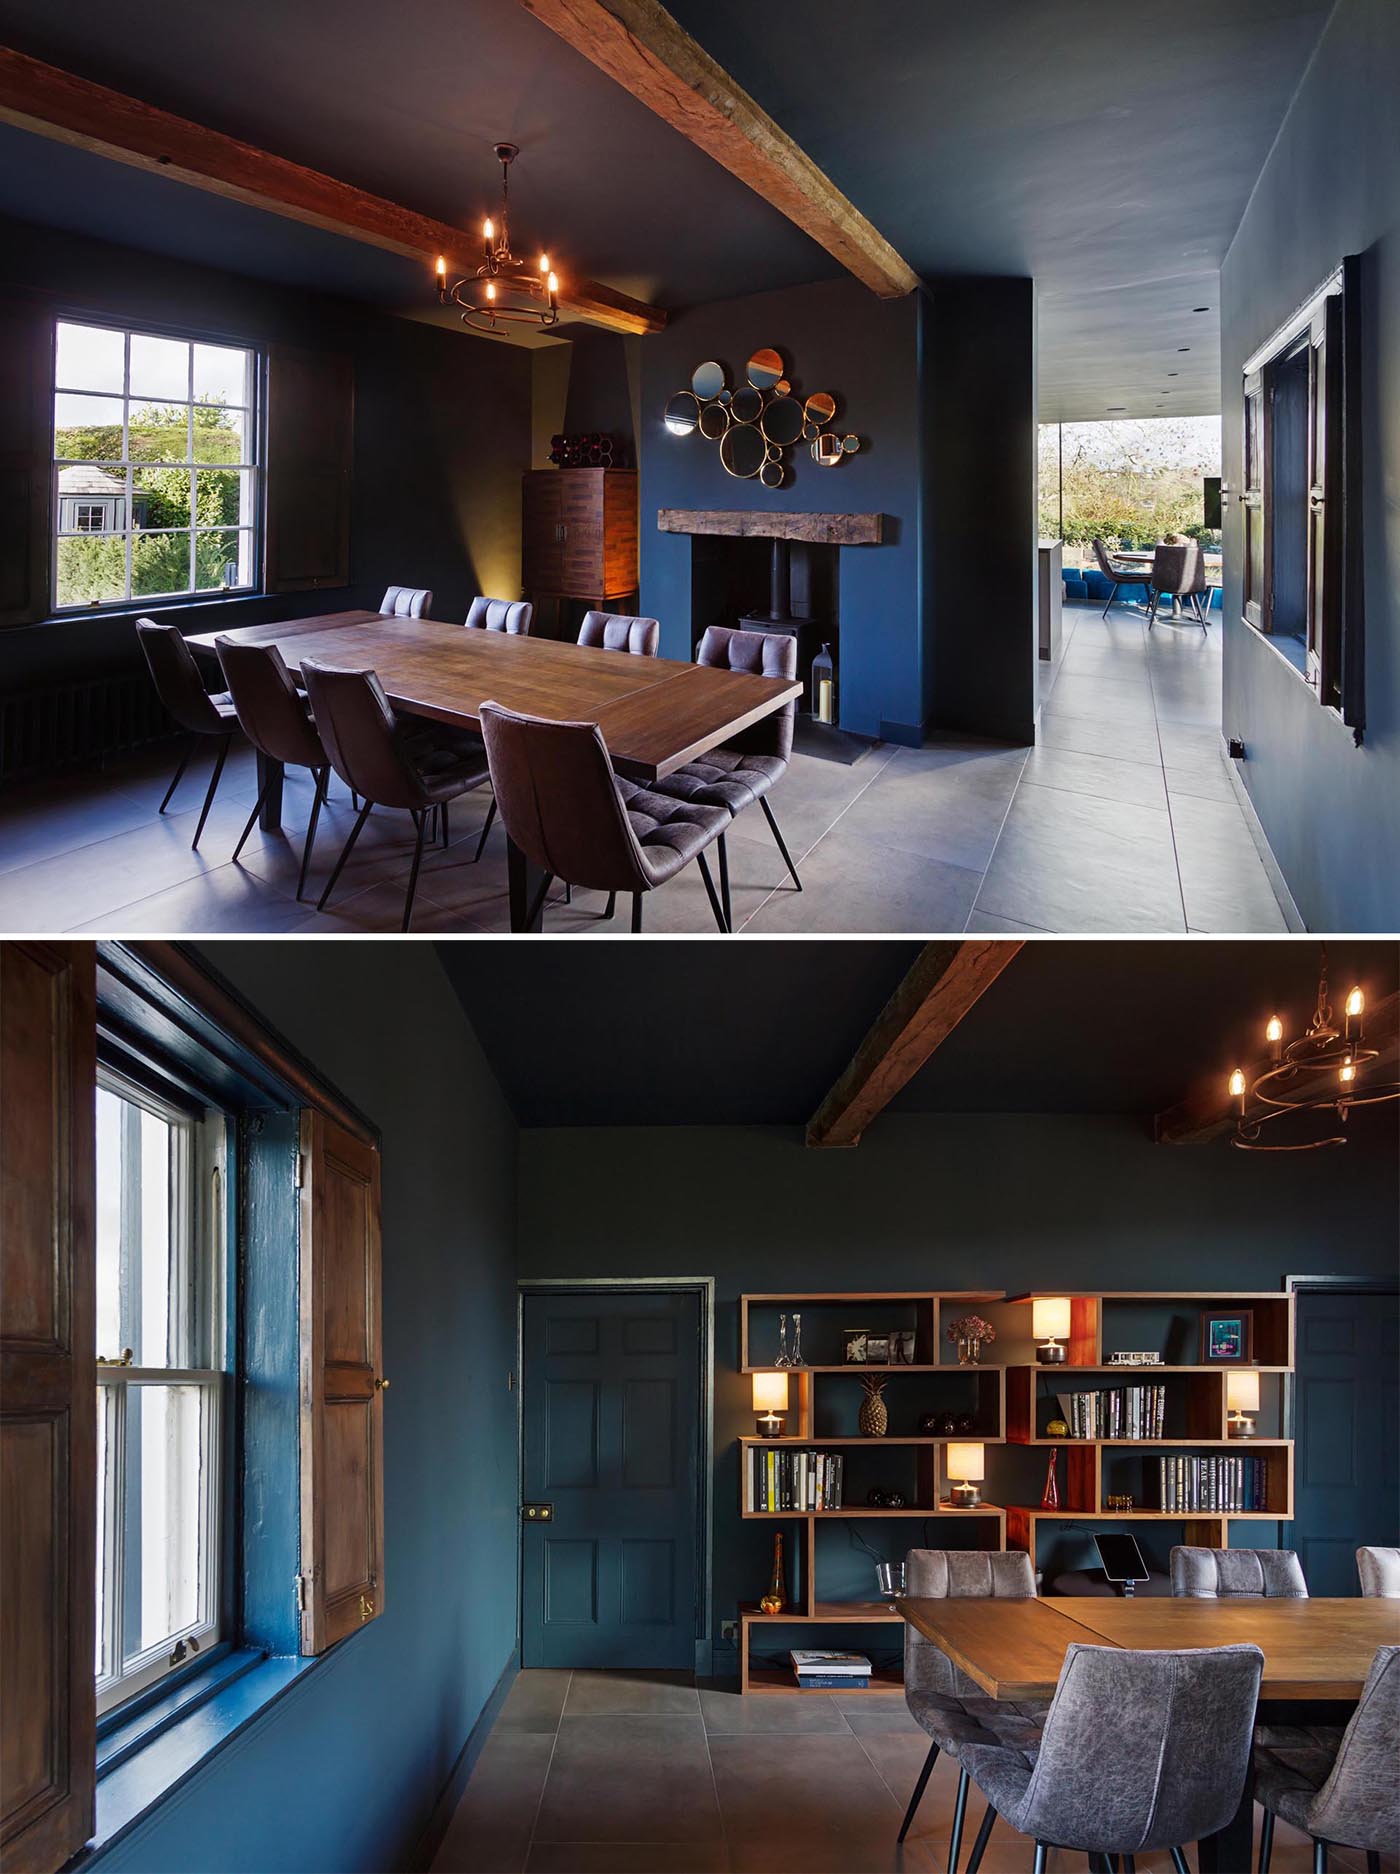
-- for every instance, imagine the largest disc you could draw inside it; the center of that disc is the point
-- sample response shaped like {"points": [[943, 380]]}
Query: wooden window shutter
{"points": [[342, 1398], [1325, 511], [26, 390], [310, 443], [1254, 499], [48, 1402]]}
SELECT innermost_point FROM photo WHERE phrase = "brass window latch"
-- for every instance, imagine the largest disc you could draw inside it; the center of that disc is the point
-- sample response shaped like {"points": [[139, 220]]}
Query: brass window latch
{"points": [[125, 1358], [366, 1608], [381, 1385]]}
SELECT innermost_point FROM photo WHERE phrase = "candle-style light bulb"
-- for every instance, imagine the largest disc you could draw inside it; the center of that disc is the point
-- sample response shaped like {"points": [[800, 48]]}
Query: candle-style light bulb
{"points": [[544, 263], [491, 289], [1274, 1031], [553, 287], [1356, 1002], [1237, 1085], [1348, 1072], [488, 230], [442, 267]]}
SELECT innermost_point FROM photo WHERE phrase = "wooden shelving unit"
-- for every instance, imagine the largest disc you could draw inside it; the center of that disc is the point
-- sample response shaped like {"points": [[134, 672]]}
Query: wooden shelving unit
{"points": [[1196, 1417]]}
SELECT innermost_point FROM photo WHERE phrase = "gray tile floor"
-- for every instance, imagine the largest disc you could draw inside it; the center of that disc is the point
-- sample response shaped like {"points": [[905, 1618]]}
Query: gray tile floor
{"points": [[1122, 818], [641, 1773]]}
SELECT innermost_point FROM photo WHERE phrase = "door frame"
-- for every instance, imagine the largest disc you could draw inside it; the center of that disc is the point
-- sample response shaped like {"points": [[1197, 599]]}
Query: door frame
{"points": [[703, 1287], [1298, 1285]]}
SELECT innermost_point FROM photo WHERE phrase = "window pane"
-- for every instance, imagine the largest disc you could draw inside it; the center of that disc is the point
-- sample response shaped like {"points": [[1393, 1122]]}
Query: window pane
{"points": [[159, 563], [223, 559], [224, 497], [87, 429], [220, 374], [106, 1449], [160, 367], [135, 1167], [92, 570], [90, 358], [220, 435], [161, 497], [163, 1516], [159, 432]]}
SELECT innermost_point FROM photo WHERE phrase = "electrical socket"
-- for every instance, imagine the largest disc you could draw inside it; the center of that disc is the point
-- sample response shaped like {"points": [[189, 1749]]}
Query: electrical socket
{"points": [[729, 1629]]}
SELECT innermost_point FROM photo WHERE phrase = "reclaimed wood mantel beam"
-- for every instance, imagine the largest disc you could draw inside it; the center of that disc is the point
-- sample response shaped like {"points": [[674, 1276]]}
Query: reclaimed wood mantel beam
{"points": [[944, 982], [639, 44], [87, 116], [841, 530]]}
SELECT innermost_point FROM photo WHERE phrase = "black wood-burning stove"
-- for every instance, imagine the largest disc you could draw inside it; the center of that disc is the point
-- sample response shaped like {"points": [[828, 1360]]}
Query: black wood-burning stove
{"points": [[779, 620]]}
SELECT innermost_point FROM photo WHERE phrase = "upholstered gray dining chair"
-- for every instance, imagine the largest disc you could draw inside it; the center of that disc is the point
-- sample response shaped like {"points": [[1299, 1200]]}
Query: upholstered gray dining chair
{"points": [[276, 718], [513, 616], [1220, 1574], [181, 689], [1339, 1786], [617, 631], [1379, 1571], [943, 1701], [406, 602], [1139, 1751], [1177, 572], [1119, 575]]}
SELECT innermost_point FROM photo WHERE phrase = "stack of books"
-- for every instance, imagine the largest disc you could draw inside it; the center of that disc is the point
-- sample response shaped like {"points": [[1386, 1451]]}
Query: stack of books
{"points": [[793, 1480], [839, 1672], [1123, 1412], [1229, 1484]]}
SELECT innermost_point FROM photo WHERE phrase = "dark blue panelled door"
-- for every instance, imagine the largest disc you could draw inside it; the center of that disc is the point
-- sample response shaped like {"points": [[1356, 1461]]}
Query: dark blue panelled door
{"points": [[1347, 1478], [610, 1406]]}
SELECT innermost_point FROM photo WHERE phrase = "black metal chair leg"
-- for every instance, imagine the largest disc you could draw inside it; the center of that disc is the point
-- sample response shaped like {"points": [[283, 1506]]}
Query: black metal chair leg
{"points": [[323, 776], [568, 893], [344, 855], [724, 897], [782, 843], [184, 763], [1319, 1856], [1179, 1861], [984, 1834], [213, 789], [1039, 1858], [421, 822], [1129, 1865], [919, 1788], [612, 905], [481, 843], [636, 911], [1373, 1861], [715, 904], [1111, 597], [959, 1811], [252, 818], [1266, 1841]]}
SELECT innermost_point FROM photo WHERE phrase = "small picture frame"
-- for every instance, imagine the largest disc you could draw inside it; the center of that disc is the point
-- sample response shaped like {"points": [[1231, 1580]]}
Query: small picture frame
{"points": [[1227, 1337], [902, 1347], [877, 1349], [857, 1341]]}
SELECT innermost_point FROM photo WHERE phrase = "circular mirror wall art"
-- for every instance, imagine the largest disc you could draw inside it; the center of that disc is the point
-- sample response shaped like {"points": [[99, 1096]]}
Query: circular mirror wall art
{"points": [[764, 370], [682, 413], [742, 450], [760, 419], [782, 422], [707, 380]]}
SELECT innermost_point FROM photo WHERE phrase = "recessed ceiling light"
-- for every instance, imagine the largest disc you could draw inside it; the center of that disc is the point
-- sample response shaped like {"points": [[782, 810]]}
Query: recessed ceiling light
{"points": [[1116, 409], [1183, 348], [1200, 309], [1173, 374]]}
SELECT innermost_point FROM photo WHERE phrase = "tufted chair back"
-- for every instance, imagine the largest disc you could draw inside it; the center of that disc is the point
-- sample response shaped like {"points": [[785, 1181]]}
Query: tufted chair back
{"points": [[1359, 1804], [1221, 1574], [614, 631], [560, 804], [957, 1574], [763, 654], [1176, 569], [1181, 1726], [509, 615], [1102, 560], [361, 734], [406, 602], [176, 677], [1379, 1570], [272, 713]]}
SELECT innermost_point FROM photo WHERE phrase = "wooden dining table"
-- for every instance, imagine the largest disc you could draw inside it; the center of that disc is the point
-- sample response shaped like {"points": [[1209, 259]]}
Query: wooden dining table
{"points": [[1317, 1654], [656, 714]]}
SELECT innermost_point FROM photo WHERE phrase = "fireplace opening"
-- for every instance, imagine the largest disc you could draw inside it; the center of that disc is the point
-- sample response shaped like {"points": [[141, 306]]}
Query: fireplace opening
{"points": [[789, 588]]}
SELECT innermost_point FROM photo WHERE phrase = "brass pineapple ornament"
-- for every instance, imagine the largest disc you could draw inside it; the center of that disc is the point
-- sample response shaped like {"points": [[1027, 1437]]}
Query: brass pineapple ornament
{"points": [[874, 1413]]}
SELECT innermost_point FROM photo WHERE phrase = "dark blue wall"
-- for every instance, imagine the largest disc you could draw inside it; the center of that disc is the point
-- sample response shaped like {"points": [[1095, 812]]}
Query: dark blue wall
{"points": [[343, 1774], [1331, 187], [442, 437], [1013, 1202], [834, 336]]}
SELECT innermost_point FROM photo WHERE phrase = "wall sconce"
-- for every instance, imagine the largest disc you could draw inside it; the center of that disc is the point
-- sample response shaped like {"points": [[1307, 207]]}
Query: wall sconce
{"points": [[1050, 1324], [770, 1402], [1242, 1396], [968, 1464]]}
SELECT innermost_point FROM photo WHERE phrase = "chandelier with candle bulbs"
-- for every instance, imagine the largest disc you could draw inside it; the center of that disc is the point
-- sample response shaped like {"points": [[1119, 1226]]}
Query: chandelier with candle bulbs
{"points": [[503, 290], [1321, 1073]]}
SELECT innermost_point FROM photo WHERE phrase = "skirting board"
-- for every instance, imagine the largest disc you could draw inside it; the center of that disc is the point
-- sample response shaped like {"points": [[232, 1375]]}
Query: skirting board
{"points": [[1292, 916], [453, 1789]]}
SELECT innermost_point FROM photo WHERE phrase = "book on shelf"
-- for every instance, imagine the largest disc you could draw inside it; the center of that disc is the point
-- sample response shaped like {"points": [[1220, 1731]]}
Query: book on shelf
{"points": [[793, 1482], [1137, 1412], [816, 1667], [831, 1682], [1215, 1485]]}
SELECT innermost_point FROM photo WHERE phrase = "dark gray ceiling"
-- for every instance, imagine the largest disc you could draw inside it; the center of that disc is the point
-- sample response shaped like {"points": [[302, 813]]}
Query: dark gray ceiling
{"points": [[1106, 149], [707, 1033]]}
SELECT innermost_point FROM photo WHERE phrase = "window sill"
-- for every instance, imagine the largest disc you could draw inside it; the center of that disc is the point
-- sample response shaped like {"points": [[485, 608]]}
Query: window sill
{"points": [[146, 1758], [139, 608]]}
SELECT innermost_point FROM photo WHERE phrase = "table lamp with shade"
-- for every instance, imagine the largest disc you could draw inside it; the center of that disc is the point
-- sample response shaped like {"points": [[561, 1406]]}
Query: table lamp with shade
{"points": [[1242, 1396], [968, 1464], [1050, 1321], [770, 1402]]}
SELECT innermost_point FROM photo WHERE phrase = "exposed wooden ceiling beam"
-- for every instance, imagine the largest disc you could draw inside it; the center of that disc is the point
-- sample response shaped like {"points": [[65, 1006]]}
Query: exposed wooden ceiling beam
{"points": [[637, 43], [943, 984], [71, 110], [1208, 1113]]}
